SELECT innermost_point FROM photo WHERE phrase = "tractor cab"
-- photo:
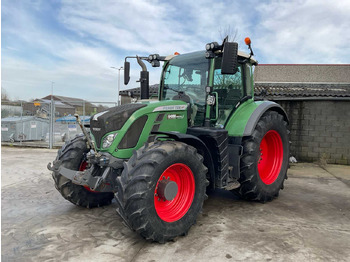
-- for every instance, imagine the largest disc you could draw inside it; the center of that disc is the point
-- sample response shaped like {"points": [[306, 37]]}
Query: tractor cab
{"points": [[213, 83], [186, 77]]}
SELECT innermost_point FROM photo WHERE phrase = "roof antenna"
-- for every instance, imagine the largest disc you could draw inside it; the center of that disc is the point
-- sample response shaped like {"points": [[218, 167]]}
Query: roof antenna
{"points": [[224, 41]]}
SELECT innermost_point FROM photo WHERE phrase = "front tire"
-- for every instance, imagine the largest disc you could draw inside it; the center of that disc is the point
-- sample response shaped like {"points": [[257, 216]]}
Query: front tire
{"points": [[162, 189], [264, 162], [72, 156]]}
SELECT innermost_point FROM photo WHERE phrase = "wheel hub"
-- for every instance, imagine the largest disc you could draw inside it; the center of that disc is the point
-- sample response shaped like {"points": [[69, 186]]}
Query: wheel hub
{"points": [[167, 189], [174, 192]]}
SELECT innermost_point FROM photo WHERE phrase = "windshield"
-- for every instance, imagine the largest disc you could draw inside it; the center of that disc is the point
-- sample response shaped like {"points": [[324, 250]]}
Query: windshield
{"points": [[187, 75]]}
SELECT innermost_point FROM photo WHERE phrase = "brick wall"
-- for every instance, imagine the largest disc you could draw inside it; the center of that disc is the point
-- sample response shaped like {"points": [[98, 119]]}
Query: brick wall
{"points": [[320, 130]]}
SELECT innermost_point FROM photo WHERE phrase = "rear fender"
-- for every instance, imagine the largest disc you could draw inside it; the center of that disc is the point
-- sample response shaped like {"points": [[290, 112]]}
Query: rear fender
{"points": [[243, 121], [259, 111]]}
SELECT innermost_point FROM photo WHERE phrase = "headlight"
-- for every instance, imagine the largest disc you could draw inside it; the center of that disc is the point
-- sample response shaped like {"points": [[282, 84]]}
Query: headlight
{"points": [[108, 140]]}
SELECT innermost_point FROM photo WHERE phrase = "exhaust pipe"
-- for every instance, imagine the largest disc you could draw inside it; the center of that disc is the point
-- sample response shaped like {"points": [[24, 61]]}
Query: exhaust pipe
{"points": [[144, 79]]}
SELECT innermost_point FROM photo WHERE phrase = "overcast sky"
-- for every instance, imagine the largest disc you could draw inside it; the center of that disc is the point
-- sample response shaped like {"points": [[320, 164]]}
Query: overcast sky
{"points": [[74, 43]]}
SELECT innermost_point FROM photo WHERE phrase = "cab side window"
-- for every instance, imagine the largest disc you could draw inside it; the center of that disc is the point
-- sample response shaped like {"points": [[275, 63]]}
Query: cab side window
{"points": [[229, 89]]}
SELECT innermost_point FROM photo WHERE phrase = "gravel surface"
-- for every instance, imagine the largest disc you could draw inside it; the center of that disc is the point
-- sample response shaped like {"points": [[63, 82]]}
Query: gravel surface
{"points": [[310, 221]]}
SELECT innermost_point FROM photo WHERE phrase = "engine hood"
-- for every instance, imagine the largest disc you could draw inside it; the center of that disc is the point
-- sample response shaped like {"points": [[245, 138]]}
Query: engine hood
{"points": [[112, 119], [121, 118]]}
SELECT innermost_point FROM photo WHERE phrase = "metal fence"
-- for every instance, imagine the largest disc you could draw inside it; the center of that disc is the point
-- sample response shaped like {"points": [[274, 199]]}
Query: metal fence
{"points": [[45, 123]]}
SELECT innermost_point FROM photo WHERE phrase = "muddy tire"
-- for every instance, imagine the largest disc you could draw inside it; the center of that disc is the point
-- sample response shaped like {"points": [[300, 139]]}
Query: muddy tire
{"points": [[72, 155], [162, 189], [264, 162]]}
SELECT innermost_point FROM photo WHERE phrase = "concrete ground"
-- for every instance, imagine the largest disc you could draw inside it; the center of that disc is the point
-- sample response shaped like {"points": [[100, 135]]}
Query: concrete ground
{"points": [[310, 221]]}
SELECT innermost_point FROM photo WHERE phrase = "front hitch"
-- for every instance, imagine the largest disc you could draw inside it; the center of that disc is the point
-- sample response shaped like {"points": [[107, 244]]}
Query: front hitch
{"points": [[99, 177], [103, 169], [85, 178]]}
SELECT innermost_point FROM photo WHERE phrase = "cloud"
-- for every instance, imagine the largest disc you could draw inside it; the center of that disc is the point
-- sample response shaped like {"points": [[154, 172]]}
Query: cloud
{"points": [[74, 43], [129, 25], [309, 31]]}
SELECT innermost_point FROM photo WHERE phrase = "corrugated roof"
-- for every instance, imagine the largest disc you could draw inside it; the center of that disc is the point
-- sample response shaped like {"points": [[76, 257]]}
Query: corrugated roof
{"points": [[301, 90], [58, 104], [75, 102], [273, 90]]}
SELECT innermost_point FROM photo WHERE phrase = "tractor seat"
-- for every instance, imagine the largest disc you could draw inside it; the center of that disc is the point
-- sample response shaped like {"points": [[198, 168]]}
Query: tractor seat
{"points": [[222, 94], [183, 97], [233, 97]]}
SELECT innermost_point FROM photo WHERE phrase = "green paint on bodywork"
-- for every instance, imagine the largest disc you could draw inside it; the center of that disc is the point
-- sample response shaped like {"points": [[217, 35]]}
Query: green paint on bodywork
{"points": [[211, 72], [178, 124], [238, 121], [210, 83]]}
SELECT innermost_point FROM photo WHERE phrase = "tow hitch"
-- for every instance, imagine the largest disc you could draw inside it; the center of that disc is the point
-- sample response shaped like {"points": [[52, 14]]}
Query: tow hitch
{"points": [[101, 183], [99, 177]]}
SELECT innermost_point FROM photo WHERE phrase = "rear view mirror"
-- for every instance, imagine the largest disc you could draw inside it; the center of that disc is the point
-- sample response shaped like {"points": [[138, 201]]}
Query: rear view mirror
{"points": [[229, 62], [126, 72]]}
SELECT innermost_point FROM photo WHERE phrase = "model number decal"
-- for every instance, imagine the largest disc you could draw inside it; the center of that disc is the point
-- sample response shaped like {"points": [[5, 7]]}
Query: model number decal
{"points": [[174, 116], [170, 108]]}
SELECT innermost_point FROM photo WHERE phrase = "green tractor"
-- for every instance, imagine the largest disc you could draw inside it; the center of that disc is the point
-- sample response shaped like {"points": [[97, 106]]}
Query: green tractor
{"points": [[157, 158]]}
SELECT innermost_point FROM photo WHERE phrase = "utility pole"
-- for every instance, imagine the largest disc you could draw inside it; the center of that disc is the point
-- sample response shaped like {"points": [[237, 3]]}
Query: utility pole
{"points": [[120, 68], [21, 137], [52, 112]]}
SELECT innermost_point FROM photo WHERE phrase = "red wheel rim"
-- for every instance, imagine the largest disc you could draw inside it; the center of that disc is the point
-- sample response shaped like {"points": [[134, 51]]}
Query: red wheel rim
{"points": [[175, 209], [271, 157], [82, 167]]}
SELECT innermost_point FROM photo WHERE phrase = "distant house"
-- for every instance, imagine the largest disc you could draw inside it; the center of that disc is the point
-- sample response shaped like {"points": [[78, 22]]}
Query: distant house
{"points": [[81, 107], [41, 107]]}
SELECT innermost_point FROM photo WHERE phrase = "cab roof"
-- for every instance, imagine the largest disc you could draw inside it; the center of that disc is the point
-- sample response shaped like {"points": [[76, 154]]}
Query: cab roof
{"points": [[240, 53]]}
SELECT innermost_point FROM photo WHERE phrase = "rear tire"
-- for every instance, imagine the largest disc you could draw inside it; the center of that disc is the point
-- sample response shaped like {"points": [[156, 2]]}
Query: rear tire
{"points": [[264, 162], [153, 217], [72, 156]]}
